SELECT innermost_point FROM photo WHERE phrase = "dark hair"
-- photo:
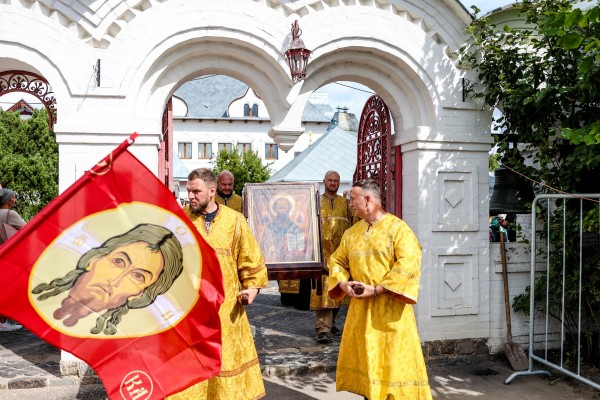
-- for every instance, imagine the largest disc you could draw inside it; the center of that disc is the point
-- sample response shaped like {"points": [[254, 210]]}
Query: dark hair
{"points": [[204, 174], [158, 238], [370, 186]]}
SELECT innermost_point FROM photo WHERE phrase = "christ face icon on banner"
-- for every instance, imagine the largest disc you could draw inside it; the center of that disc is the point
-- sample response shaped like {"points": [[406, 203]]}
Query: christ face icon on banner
{"points": [[126, 272]]}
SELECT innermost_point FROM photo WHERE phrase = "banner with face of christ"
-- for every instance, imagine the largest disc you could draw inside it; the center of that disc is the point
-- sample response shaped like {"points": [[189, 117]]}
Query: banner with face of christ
{"points": [[114, 272]]}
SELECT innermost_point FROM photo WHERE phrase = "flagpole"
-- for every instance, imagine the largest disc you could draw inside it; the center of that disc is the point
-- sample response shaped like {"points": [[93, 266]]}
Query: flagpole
{"points": [[100, 168]]}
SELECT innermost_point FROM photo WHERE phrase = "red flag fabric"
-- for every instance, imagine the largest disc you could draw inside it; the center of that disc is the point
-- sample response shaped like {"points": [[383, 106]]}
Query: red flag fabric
{"points": [[115, 273]]}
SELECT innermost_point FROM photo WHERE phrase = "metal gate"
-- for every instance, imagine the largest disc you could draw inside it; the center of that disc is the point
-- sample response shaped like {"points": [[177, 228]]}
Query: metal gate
{"points": [[564, 330], [374, 148], [34, 84]]}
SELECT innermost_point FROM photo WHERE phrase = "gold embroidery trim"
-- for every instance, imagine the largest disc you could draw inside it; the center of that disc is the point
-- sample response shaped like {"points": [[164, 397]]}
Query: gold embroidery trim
{"points": [[380, 382], [237, 371], [223, 252], [253, 270]]}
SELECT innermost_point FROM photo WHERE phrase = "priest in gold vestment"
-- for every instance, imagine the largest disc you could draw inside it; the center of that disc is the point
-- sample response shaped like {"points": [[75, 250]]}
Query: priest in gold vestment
{"points": [[335, 219], [378, 265], [244, 273], [225, 194]]}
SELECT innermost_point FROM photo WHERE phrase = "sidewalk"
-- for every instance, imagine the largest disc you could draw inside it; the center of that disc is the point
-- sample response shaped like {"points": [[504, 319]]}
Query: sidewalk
{"points": [[289, 354]]}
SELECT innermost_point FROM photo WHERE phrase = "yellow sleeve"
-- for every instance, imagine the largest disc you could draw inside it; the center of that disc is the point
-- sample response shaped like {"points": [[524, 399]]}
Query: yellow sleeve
{"points": [[339, 270], [404, 278], [252, 270]]}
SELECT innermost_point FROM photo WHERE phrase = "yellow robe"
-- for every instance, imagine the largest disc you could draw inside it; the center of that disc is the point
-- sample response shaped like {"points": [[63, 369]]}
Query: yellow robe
{"points": [[380, 353], [235, 202], [243, 266], [335, 219]]}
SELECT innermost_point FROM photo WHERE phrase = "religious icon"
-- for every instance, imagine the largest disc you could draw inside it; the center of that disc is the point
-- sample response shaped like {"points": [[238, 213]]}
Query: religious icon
{"points": [[128, 270], [285, 222]]}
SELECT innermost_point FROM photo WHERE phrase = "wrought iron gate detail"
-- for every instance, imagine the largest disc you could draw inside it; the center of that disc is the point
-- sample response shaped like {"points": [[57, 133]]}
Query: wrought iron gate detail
{"points": [[374, 150], [23, 81], [165, 159]]}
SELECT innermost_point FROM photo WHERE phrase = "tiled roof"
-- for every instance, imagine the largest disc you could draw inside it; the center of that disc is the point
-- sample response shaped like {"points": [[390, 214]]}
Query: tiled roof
{"points": [[209, 97], [335, 150]]}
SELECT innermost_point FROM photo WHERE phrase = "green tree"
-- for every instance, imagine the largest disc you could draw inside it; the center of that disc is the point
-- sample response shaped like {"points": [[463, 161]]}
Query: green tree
{"points": [[246, 167], [546, 81], [545, 78], [28, 160]]}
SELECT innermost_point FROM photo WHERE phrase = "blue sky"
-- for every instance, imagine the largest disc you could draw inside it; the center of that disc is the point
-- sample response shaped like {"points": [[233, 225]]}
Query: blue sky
{"points": [[485, 5]]}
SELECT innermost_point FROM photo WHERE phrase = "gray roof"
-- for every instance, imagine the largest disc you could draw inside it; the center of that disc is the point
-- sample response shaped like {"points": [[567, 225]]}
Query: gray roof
{"points": [[335, 150], [180, 172], [209, 97], [345, 120]]}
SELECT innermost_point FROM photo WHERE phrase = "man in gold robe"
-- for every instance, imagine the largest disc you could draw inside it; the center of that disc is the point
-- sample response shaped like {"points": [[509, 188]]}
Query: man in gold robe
{"points": [[378, 265], [335, 219], [225, 194], [244, 273]]}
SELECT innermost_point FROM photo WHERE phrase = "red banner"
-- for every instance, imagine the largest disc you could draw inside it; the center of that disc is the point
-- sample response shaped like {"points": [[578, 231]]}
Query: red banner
{"points": [[115, 273]]}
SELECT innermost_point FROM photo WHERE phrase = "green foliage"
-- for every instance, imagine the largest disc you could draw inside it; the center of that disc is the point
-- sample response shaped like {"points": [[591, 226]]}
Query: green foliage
{"points": [[246, 168], [494, 164], [28, 161], [546, 81]]}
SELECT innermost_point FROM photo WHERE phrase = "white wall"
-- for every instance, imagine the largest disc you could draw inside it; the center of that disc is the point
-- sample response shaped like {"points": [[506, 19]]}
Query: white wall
{"points": [[404, 50]]}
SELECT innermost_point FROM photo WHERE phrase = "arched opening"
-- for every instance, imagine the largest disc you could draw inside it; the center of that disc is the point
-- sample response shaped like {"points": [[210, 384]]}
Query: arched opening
{"points": [[216, 112], [33, 84]]}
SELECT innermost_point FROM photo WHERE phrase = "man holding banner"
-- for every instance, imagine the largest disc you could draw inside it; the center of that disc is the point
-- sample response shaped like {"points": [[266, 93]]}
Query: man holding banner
{"points": [[114, 272], [244, 273]]}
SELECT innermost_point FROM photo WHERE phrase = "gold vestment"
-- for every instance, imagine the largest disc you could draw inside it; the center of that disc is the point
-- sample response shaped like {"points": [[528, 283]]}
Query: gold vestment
{"points": [[234, 202], [243, 267], [335, 219], [380, 353]]}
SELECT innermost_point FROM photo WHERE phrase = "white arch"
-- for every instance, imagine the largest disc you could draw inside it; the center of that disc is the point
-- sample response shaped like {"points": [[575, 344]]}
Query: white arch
{"points": [[203, 56], [52, 50]]}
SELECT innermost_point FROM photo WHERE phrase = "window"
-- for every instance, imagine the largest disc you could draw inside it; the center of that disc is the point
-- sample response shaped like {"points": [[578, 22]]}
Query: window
{"points": [[185, 151], [225, 146], [204, 150], [250, 112], [271, 151], [244, 147]]}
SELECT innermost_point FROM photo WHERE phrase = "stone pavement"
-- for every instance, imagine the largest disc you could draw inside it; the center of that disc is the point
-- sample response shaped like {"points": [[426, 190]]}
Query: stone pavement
{"points": [[288, 352]]}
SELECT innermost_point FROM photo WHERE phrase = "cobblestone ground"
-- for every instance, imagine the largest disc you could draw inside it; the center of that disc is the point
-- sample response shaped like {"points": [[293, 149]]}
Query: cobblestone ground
{"points": [[285, 337], [25, 360]]}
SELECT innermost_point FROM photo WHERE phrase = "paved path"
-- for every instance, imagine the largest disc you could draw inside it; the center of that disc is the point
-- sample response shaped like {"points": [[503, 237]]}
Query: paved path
{"points": [[294, 366]]}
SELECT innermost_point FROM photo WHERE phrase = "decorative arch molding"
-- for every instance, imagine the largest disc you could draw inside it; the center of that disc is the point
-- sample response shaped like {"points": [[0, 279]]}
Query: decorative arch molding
{"points": [[169, 70], [100, 23], [35, 85], [413, 90], [198, 28]]}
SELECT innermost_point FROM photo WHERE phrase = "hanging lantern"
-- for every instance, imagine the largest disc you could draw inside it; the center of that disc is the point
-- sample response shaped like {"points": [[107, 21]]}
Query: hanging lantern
{"points": [[297, 55], [512, 193]]}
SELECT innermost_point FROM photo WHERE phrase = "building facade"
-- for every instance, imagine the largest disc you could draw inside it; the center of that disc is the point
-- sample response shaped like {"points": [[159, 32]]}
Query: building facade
{"points": [[217, 112], [114, 66]]}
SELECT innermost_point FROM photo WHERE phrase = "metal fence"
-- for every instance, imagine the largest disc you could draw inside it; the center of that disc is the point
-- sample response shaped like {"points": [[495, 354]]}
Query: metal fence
{"points": [[564, 330]]}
